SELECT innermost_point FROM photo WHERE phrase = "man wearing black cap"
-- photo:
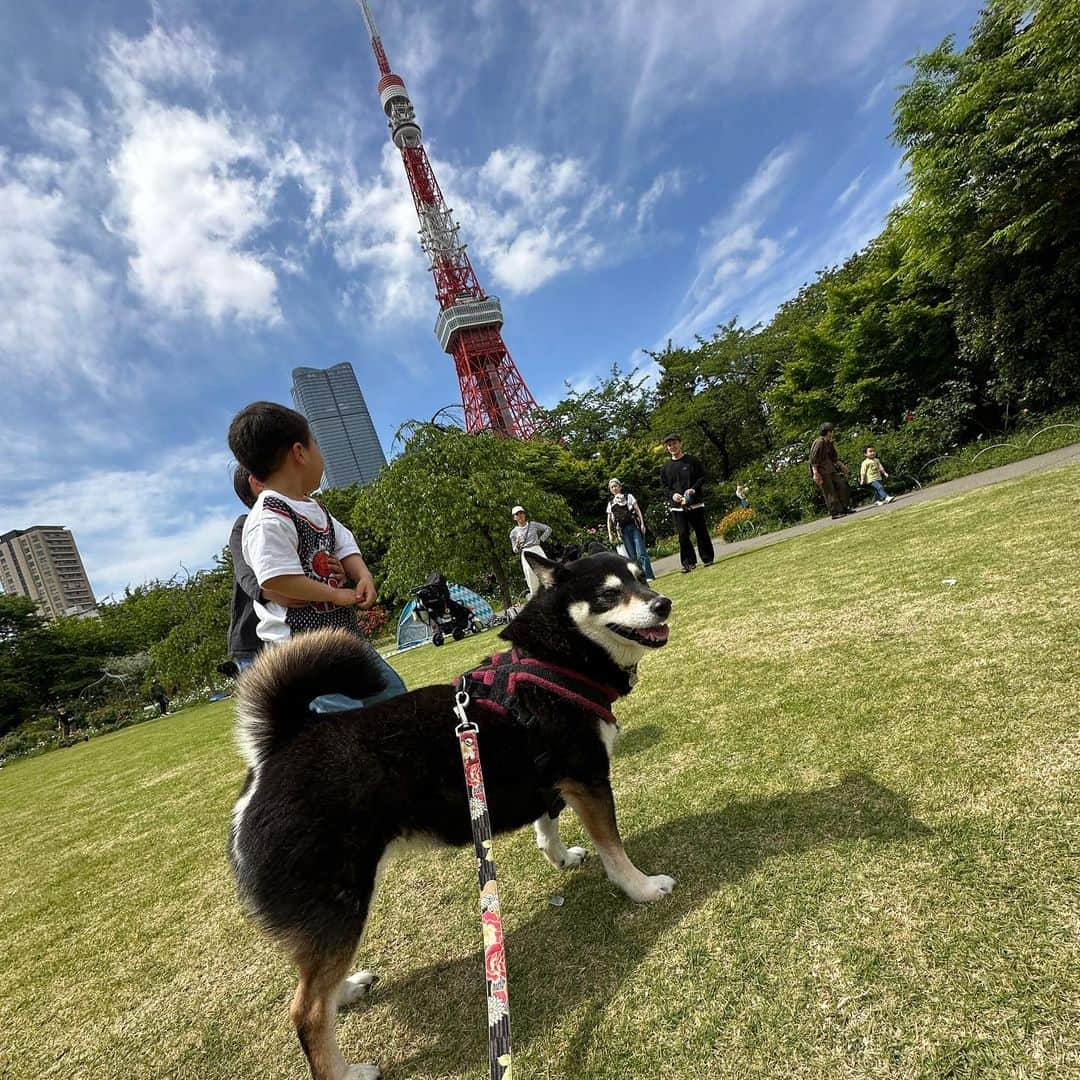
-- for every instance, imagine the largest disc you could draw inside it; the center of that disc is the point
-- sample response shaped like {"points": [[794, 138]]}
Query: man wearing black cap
{"points": [[829, 473], [684, 481]]}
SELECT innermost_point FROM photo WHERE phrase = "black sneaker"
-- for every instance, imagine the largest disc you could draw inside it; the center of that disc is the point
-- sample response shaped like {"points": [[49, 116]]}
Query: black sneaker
{"points": [[687, 569], [707, 564]]}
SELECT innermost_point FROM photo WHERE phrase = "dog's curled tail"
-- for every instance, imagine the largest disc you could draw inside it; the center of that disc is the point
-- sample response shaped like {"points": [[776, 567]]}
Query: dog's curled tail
{"points": [[273, 695]]}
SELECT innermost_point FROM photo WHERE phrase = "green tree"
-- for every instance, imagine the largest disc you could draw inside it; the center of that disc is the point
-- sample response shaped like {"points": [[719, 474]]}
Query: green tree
{"points": [[619, 406], [713, 395], [39, 665], [340, 501], [992, 141], [141, 617], [879, 338], [20, 627], [444, 504], [187, 655]]}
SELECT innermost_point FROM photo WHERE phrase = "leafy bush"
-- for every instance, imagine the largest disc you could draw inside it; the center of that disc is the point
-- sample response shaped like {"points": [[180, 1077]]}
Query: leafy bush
{"points": [[33, 737], [737, 525], [784, 491], [373, 621]]}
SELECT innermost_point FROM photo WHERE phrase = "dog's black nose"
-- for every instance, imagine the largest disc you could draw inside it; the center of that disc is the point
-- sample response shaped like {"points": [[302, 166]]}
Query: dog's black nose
{"points": [[661, 606]]}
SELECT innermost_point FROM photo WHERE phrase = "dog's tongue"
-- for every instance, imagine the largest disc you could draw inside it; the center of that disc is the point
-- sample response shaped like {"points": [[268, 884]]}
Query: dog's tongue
{"points": [[655, 633]]}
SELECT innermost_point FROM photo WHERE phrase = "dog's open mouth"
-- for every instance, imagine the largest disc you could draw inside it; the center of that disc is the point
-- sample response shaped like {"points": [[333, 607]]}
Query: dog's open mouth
{"points": [[651, 637]]}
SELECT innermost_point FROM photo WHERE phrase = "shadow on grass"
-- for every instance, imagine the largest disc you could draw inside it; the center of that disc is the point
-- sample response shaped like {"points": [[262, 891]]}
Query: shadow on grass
{"points": [[582, 953], [634, 740]]}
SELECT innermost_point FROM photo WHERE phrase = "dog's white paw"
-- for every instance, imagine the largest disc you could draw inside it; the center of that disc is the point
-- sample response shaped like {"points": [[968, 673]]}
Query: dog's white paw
{"points": [[574, 856], [362, 1072], [354, 988], [653, 888]]}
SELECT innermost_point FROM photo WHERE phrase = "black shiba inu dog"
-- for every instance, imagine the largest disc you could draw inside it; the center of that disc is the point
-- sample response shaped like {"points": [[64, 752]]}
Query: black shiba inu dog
{"points": [[328, 795]]}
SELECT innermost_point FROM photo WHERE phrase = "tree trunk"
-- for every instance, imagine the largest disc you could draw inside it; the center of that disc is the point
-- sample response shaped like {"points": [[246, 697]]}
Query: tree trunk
{"points": [[720, 442], [498, 569]]}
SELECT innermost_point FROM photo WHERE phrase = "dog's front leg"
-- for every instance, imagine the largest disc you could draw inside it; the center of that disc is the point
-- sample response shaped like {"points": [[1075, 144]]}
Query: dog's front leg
{"points": [[595, 805], [550, 843]]}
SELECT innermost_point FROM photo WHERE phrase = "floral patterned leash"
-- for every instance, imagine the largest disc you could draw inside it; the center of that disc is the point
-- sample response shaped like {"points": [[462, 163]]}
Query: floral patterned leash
{"points": [[498, 995]]}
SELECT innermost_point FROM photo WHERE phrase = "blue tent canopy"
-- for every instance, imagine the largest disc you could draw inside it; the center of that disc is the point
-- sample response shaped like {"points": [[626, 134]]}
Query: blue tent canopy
{"points": [[413, 631]]}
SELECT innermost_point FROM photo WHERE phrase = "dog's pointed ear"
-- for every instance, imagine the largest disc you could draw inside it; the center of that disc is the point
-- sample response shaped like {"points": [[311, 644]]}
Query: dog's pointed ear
{"points": [[546, 571]]}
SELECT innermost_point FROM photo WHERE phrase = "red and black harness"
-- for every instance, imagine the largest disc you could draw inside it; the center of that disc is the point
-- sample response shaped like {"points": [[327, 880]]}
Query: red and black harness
{"points": [[494, 685]]}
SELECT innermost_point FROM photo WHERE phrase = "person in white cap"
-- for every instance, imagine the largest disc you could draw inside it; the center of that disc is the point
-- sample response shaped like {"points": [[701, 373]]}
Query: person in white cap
{"points": [[525, 536]]}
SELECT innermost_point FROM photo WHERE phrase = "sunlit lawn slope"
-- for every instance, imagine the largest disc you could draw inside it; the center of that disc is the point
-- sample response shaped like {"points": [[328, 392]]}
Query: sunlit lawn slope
{"points": [[863, 779]]}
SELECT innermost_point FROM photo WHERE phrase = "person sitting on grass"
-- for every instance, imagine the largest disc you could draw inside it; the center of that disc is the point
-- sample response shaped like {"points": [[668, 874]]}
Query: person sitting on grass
{"points": [[290, 540], [870, 472]]}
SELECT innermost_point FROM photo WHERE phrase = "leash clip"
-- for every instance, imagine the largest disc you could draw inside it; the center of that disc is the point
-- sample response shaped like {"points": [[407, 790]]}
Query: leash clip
{"points": [[461, 702]]}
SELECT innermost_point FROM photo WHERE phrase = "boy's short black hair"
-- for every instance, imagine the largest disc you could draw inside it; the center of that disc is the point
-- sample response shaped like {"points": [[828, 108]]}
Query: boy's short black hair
{"points": [[871, 447], [261, 434], [241, 482]]}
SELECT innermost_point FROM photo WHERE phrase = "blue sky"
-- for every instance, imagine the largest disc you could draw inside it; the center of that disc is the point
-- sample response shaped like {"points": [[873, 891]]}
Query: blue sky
{"points": [[197, 197]]}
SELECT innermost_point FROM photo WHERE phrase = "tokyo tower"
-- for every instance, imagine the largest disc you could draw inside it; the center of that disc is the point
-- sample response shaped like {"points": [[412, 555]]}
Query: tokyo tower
{"points": [[469, 326]]}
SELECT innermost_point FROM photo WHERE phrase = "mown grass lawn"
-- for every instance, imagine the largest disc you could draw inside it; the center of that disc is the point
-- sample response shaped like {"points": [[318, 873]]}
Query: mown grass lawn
{"points": [[864, 780]]}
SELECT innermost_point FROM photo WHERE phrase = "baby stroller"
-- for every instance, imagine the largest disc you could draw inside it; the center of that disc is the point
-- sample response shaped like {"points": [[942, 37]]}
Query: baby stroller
{"points": [[442, 613]]}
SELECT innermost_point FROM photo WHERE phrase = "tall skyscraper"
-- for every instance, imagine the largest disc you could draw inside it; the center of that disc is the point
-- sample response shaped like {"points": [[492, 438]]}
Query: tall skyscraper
{"points": [[330, 398], [43, 563]]}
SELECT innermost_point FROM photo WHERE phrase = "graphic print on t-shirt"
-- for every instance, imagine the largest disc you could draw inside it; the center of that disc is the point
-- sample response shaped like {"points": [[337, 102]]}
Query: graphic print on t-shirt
{"points": [[314, 547], [320, 567]]}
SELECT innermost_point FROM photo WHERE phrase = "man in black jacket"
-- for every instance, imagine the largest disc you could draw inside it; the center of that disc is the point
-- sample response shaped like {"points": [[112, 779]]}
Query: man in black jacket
{"points": [[684, 481]]}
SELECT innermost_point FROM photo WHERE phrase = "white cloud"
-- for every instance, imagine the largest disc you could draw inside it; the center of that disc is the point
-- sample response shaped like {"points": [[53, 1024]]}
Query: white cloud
{"points": [[867, 209], [849, 192], [532, 217], [198, 198], [734, 255], [138, 524], [54, 297], [188, 206], [376, 231], [658, 57], [747, 273], [63, 123], [526, 217], [161, 58], [193, 190], [670, 182], [875, 93]]}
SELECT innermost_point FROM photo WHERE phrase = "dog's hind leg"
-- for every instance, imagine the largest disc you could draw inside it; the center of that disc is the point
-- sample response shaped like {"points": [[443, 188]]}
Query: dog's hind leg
{"points": [[314, 1012], [595, 805], [550, 844]]}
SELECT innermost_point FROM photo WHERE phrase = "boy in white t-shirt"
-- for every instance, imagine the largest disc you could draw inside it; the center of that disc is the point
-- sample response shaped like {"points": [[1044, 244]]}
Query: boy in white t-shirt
{"points": [[288, 538]]}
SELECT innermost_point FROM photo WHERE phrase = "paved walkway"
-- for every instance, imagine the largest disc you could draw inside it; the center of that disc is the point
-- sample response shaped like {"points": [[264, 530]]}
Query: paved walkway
{"points": [[1066, 455]]}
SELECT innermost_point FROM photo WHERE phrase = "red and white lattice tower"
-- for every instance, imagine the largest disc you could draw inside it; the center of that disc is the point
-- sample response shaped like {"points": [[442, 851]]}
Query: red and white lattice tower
{"points": [[469, 326]]}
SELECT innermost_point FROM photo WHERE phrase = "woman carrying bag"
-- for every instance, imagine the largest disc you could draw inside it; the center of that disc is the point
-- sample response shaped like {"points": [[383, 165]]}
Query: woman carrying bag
{"points": [[624, 513]]}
